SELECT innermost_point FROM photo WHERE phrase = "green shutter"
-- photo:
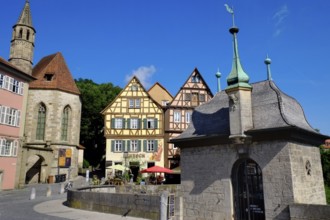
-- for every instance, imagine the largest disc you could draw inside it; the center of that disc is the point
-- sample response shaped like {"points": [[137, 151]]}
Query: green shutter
{"points": [[144, 123], [112, 123], [112, 146], [139, 145], [139, 123], [128, 145], [123, 144], [128, 123], [156, 123], [155, 145], [123, 122], [145, 145]]}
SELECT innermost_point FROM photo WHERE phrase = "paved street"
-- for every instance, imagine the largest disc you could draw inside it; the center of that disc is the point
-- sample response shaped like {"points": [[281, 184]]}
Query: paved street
{"points": [[16, 204]]}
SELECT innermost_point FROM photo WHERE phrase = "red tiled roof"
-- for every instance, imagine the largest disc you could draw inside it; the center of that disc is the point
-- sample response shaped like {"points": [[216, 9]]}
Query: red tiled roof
{"points": [[61, 79]]}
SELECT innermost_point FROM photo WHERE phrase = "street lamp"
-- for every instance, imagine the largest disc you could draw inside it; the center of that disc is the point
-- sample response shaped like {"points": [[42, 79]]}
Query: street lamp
{"points": [[125, 157]]}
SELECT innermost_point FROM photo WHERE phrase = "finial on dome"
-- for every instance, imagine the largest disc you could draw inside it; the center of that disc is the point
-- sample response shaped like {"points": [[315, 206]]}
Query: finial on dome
{"points": [[218, 75], [268, 61]]}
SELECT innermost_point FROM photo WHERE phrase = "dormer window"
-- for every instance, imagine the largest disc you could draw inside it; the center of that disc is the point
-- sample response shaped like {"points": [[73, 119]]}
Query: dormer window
{"points": [[49, 76]]}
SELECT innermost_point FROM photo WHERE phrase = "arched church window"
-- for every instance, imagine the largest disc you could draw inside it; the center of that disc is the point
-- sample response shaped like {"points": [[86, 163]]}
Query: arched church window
{"points": [[41, 123], [65, 123]]}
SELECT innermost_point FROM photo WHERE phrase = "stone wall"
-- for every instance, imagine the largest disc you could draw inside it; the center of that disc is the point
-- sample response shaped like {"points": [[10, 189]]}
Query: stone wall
{"points": [[129, 200], [309, 212], [207, 184]]}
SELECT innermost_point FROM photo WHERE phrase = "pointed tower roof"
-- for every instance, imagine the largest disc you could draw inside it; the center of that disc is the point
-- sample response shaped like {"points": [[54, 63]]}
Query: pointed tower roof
{"points": [[53, 73], [237, 76], [25, 18]]}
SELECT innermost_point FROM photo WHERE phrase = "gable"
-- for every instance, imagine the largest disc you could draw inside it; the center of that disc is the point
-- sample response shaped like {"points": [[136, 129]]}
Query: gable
{"points": [[133, 99]]}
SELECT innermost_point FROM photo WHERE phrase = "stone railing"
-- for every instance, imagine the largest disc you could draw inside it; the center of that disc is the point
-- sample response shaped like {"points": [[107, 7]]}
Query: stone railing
{"points": [[142, 201]]}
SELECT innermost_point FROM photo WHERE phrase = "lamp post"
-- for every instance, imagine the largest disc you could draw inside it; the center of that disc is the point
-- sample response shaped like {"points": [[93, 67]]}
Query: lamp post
{"points": [[125, 157]]}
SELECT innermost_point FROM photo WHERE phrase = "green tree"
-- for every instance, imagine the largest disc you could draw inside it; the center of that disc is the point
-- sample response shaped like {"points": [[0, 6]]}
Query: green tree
{"points": [[94, 97], [325, 158]]}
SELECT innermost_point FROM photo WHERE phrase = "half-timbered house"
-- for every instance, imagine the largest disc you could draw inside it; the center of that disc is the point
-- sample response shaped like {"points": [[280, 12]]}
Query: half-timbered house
{"points": [[193, 93], [134, 132]]}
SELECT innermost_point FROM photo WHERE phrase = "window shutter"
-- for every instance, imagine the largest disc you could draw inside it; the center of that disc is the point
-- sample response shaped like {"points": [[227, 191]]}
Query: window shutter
{"points": [[144, 123], [139, 145], [112, 146], [21, 88], [112, 123], [128, 123], [156, 123], [14, 148], [155, 145], [18, 117], [144, 145], [128, 145], [139, 123], [123, 145], [123, 123]]}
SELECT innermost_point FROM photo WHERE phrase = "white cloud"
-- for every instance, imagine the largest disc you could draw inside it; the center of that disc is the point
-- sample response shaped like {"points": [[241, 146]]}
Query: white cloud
{"points": [[144, 74], [279, 18]]}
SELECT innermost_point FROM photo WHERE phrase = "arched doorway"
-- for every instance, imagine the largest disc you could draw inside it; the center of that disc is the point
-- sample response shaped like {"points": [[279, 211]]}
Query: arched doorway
{"points": [[248, 190]]}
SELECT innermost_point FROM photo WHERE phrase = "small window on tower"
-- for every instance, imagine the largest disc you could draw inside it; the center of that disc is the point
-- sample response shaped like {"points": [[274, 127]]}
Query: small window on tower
{"points": [[20, 34], [28, 35], [49, 76]]}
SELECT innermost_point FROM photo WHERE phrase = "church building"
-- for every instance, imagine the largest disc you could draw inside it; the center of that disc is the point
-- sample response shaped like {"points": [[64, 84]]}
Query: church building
{"points": [[49, 145]]}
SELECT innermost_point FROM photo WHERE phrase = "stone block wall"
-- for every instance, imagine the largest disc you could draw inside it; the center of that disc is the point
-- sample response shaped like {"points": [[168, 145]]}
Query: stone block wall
{"points": [[128, 200], [207, 184]]}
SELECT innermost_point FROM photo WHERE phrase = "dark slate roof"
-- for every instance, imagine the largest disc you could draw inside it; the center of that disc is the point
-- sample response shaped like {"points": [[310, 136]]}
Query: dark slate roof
{"points": [[62, 79], [271, 108]]}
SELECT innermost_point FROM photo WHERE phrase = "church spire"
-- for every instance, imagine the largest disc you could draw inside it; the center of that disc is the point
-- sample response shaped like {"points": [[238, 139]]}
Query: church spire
{"points": [[25, 18], [237, 76], [22, 42]]}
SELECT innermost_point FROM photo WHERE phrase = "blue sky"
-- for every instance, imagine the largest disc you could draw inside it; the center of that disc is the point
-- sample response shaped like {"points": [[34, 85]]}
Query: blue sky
{"points": [[163, 41]]}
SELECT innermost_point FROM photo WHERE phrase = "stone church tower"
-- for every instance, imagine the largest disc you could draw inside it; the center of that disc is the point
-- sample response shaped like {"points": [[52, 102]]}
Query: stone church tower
{"points": [[49, 150], [22, 42]]}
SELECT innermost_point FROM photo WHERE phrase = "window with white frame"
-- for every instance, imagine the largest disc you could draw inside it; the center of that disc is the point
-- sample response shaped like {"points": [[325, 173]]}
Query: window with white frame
{"points": [[134, 87], [8, 147], [134, 103], [11, 84], [188, 117], [118, 146], [151, 123], [134, 123], [1, 80], [134, 146], [150, 145], [177, 116], [10, 116], [118, 123]]}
